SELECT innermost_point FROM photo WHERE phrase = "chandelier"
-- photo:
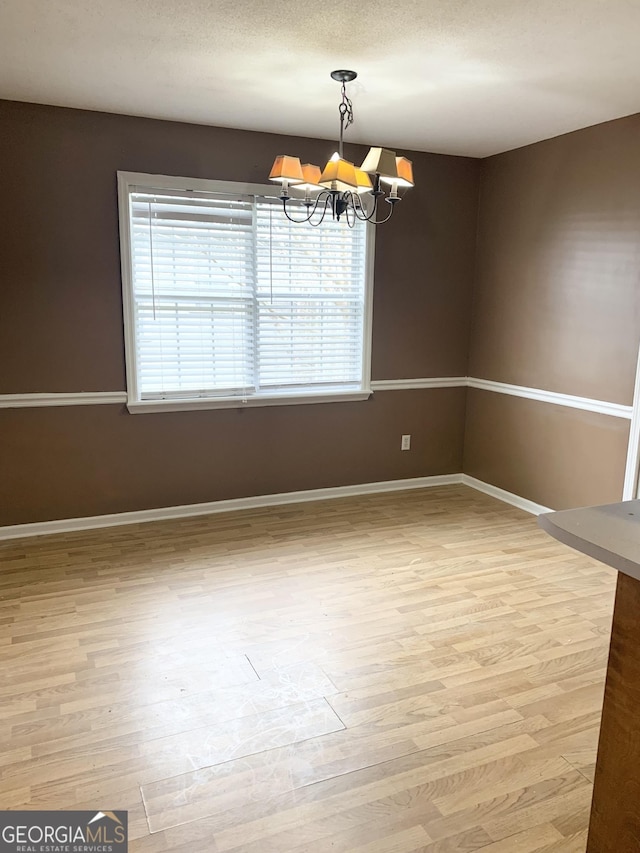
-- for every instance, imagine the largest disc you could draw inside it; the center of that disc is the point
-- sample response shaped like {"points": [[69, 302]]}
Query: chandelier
{"points": [[341, 187]]}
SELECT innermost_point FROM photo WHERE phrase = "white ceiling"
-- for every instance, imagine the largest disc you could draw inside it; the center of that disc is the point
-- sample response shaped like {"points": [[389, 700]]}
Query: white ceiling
{"points": [[470, 77]]}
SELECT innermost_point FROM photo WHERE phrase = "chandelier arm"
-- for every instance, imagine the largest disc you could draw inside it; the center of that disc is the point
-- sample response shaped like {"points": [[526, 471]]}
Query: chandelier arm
{"points": [[381, 221], [370, 216], [309, 213], [290, 218], [350, 207], [365, 217], [328, 199]]}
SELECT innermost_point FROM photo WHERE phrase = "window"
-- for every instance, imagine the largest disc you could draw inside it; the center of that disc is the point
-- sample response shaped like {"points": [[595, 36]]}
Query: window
{"points": [[227, 303]]}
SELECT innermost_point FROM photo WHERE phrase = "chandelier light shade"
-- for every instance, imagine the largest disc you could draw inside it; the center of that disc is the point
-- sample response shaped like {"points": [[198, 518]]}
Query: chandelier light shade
{"points": [[381, 161], [341, 187], [364, 181], [311, 178], [404, 168], [339, 175], [287, 170]]}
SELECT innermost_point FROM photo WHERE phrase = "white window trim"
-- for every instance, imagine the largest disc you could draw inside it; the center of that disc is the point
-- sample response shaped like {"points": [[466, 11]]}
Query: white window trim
{"points": [[127, 180]]}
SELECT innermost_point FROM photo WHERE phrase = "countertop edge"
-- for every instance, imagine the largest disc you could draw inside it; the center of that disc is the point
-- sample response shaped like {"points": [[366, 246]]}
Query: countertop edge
{"points": [[585, 546]]}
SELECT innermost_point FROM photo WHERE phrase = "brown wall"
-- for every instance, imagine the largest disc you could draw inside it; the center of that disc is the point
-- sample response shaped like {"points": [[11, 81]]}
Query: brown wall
{"points": [[92, 460], [557, 307], [61, 328], [549, 454]]}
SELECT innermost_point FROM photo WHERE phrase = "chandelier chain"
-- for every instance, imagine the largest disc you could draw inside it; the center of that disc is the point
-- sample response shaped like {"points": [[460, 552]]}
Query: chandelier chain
{"points": [[346, 114]]}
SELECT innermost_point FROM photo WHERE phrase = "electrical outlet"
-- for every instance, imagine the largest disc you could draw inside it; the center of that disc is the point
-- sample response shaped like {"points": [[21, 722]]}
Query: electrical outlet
{"points": [[405, 444]]}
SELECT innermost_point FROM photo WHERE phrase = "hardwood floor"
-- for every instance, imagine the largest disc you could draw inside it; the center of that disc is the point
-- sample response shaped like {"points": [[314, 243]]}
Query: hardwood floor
{"points": [[418, 671]]}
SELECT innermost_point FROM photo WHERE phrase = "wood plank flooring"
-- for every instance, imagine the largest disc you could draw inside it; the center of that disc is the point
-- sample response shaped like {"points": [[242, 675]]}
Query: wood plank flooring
{"points": [[417, 672]]}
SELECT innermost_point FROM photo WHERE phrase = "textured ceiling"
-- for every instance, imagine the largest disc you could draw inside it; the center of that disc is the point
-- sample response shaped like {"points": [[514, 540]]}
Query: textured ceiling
{"points": [[468, 77]]}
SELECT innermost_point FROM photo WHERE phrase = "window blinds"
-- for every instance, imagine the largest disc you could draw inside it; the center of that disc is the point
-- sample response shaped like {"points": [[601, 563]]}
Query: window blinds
{"points": [[230, 299]]}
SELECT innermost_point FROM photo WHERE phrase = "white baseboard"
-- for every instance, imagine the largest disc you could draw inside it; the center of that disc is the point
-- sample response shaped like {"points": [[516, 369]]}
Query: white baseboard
{"points": [[68, 525], [504, 496]]}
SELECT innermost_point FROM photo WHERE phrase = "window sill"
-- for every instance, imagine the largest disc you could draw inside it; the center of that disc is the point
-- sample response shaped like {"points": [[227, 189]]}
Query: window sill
{"points": [[137, 407]]}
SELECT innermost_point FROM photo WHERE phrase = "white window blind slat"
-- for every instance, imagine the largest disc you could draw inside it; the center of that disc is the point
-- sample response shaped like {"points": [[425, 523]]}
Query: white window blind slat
{"points": [[231, 299]]}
